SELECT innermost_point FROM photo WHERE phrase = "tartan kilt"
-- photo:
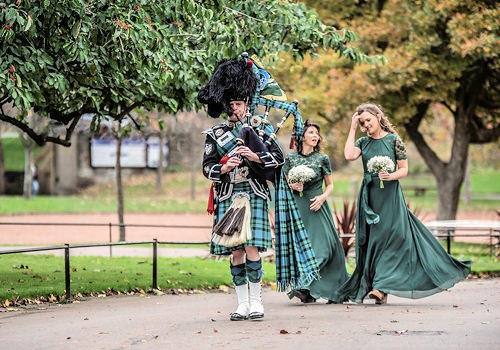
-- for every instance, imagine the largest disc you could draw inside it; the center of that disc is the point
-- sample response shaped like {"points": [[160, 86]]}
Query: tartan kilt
{"points": [[259, 222]]}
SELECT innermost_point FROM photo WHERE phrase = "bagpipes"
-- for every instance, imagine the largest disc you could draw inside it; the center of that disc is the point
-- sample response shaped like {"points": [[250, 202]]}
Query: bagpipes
{"points": [[257, 134], [246, 79]]}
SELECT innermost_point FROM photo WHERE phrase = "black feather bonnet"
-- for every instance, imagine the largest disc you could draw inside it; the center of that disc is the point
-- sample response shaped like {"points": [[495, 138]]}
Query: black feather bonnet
{"points": [[232, 80]]}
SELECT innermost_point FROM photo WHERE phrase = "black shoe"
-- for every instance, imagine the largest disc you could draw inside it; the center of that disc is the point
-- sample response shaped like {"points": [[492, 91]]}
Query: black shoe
{"points": [[304, 296], [255, 316], [237, 317]]}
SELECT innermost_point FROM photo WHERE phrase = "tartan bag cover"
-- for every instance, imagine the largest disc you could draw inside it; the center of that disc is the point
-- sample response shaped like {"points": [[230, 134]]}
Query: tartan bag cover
{"points": [[296, 264]]}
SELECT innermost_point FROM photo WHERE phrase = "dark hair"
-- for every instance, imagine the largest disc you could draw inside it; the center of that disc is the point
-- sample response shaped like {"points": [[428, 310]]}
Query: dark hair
{"points": [[376, 111], [309, 124]]}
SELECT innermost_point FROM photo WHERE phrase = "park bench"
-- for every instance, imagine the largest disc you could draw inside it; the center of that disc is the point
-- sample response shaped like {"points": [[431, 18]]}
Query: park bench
{"points": [[420, 190], [484, 228]]}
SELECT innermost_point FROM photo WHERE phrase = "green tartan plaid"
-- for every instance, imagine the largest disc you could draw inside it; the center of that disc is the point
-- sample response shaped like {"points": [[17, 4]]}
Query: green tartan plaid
{"points": [[259, 222], [296, 264]]}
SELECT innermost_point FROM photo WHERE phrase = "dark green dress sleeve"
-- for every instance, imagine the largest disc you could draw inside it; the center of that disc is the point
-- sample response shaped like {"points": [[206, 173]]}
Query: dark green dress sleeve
{"points": [[286, 165], [326, 168]]}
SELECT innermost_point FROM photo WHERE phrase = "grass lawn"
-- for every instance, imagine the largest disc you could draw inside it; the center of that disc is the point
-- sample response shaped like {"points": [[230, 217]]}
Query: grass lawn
{"points": [[42, 275], [14, 153], [141, 195]]}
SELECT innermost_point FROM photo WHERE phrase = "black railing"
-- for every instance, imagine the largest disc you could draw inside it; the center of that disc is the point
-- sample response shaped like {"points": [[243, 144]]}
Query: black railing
{"points": [[449, 235]]}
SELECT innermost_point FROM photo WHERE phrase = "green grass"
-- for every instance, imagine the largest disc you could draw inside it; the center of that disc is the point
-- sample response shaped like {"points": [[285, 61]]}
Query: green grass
{"points": [[45, 274], [141, 195], [478, 254], [104, 204], [13, 151]]}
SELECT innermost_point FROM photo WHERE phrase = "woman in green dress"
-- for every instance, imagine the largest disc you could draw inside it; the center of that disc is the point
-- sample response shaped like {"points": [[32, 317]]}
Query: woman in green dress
{"points": [[317, 216], [395, 253]]}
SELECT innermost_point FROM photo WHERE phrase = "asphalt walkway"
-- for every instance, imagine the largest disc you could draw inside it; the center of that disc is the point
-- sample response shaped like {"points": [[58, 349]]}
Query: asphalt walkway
{"points": [[466, 317]]}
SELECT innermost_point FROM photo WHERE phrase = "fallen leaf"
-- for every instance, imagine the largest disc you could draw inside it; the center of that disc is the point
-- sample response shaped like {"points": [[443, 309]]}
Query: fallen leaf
{"points": [[215, 330], [298, 332], [455, 305], [6, 303], [199, 332], [212, 320], [86, 319], [283, 331], [394, 321], [68, 337], [224, 288]]}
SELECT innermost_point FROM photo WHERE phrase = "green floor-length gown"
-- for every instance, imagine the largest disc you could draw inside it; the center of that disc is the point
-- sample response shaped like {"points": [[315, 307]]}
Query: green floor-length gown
{"points": [[395, 252], [320, 227]]}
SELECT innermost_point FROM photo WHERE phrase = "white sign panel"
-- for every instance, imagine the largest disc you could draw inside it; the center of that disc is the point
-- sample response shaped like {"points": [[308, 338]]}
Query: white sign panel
{"points": [[103, 153], [154, 152]]}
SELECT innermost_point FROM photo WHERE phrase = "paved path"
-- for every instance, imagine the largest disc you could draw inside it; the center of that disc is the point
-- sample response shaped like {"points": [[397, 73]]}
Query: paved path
{"points": [[466, 317]]}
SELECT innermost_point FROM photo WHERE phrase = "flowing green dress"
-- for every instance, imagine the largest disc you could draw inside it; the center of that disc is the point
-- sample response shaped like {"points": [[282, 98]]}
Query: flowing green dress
{"points": [[395, 252], [320, 227]]}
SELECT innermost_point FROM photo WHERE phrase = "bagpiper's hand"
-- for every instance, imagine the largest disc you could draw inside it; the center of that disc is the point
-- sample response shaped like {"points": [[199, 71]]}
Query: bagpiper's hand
{"points": [[248, 154], [230, 165], [317, 202], [385, 176]]}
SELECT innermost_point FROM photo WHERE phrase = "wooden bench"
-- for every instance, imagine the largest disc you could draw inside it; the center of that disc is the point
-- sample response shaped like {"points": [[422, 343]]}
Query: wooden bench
{"points": [[447, 228], [420, 190]]}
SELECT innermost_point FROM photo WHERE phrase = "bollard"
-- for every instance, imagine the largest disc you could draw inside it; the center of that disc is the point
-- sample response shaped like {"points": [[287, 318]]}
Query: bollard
{"points": [[67, 272], [155, 263]]}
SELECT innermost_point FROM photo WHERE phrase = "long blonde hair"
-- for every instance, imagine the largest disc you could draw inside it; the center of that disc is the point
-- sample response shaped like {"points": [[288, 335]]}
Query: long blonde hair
{"points": [[375, 110]]}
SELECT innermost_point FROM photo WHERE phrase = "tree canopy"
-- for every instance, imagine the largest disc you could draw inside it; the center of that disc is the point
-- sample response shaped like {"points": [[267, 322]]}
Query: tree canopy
{"points": [[66, 58], [440, 54]]}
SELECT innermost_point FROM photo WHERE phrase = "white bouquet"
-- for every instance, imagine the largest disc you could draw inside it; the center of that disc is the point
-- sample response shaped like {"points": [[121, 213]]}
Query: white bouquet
{"points": [[380, 163], [301, 173]]}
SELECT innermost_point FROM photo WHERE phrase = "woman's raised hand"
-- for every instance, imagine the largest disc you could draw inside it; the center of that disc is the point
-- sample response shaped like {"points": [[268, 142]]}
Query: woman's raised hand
{"points": [[354, 120]]}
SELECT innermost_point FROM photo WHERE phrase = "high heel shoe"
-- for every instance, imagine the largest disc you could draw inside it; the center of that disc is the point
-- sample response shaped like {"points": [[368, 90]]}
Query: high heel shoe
{"points": [[380, 297]]}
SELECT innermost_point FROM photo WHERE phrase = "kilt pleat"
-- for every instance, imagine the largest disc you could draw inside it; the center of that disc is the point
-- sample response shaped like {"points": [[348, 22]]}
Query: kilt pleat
{"points": [[259, 222]]}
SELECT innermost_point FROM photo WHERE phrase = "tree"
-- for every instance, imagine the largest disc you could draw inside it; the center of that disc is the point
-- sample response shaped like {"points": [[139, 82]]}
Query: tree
{"points": [[64, 59], [440, 54]]}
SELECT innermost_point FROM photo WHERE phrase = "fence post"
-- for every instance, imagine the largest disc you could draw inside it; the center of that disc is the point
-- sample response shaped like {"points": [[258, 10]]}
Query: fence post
{"points": [[491, 242], [67, 272], [448, 241], [155, 263], [110, 241]]}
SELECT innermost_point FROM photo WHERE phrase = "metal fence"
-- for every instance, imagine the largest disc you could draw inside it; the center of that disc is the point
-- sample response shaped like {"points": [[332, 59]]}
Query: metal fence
{"points": [[449, 235]]}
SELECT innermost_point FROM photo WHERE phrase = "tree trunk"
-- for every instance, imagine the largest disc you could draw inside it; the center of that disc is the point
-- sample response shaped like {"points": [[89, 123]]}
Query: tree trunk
{"points": [[119, 186], [448, 195], [159, 171], [449, 176], [467, 192], [193, 172], [2, 167], [28, 176]]}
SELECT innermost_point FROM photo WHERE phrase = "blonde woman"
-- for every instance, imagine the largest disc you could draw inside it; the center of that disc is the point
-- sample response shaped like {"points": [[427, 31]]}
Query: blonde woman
{"points": [[395, 253]]}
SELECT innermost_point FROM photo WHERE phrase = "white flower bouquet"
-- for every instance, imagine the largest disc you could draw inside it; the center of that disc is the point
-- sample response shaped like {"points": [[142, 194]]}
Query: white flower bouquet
{"points": [[301, 173], [380, 163]]}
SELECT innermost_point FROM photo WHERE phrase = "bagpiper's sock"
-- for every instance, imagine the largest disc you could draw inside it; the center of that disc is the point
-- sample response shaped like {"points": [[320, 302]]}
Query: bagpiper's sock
{"points": [[239, 274], [254, 270]]}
